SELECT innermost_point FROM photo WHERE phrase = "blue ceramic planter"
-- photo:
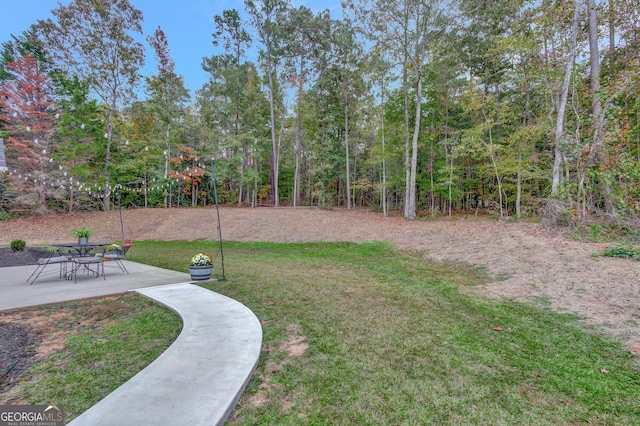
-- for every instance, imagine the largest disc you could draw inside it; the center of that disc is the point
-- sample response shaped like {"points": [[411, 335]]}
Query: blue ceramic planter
{"points": [[200, 273]]}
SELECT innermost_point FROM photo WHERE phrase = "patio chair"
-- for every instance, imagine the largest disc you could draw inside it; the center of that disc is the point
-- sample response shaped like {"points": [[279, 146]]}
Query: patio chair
{"points": [[118, 255], [83, 264], [55, 257]]}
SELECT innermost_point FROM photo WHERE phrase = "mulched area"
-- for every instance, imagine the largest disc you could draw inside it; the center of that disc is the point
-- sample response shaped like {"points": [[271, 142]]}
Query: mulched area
{"points": [[15, 357], [28, 256]]}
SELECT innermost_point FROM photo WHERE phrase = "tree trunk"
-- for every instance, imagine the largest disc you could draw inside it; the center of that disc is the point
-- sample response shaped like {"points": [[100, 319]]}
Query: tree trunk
{"points": [[596, 106], [385, 211], [495, 166], [107, 158], [298, 149], [274, 154], [612, 28], [245, 165], [346, 147], [407, 145], [431, 167], [71, 197], [519, 186], [410, 213], [167, 154], [447, 153], [194, 195], [450, 183], [527, 115], [562, 105], [42, 190]]}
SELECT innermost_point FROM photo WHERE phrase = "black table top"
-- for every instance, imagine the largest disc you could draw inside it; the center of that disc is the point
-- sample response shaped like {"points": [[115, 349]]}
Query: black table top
{"points": [[76, 244], [81, 249]]}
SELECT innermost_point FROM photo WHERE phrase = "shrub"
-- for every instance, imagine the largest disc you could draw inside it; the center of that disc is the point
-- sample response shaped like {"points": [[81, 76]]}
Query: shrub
{"points": [[18, 245], [4, 216], [625, 251]]}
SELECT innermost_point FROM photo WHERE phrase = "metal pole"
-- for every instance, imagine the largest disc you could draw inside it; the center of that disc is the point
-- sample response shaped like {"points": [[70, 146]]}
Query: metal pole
{"points": [[215, 197]]}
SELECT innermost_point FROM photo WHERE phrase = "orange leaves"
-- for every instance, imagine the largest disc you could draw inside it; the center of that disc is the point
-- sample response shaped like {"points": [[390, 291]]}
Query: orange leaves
{"points": [[186, 165]]}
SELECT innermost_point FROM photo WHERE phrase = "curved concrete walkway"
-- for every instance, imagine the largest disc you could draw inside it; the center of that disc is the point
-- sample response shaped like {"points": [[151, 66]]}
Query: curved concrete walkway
{"points": [[197, 380], [200, 377]]}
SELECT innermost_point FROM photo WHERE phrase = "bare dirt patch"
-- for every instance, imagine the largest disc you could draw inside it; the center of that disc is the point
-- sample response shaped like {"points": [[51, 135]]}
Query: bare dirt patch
{"points": [[31, 335], [535, 264], [295, 346]]}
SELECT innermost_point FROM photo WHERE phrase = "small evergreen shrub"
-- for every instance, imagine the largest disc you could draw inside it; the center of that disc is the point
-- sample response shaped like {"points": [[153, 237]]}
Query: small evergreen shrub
{"points": [[18, 245], [625, 251], [4, 216]]}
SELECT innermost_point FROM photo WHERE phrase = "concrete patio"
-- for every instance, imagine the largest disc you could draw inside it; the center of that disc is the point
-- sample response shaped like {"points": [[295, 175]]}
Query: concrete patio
{"points": [[16, 293]]}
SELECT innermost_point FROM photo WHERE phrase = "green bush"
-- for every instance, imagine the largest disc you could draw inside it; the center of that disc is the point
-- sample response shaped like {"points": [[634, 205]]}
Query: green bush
{"points": [[4, 216], [625, 251], [18, 245]]}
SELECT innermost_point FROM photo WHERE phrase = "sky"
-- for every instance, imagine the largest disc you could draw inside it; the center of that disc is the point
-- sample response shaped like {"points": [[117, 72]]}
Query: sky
{"points": [[188, 25]]}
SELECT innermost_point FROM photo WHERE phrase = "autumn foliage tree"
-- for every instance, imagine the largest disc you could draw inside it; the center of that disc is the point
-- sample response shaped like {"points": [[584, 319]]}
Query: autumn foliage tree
{"points": [[168, 95], [186, 168], [26, 104]]}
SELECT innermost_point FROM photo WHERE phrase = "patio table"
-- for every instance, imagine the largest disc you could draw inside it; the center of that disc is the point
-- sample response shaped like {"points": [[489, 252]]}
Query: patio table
{"points": [[84, 259], [82, 250], [78, 254]]}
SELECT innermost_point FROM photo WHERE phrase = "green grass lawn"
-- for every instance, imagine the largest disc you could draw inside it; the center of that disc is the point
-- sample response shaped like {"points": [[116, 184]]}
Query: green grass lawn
{"points": [[392, 340], [105, 343]]}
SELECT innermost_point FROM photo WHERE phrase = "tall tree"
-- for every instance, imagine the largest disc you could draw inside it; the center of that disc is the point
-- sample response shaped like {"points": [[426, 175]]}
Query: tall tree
{"points": [[167, 91], [379, 70], [94, 40], [267, 18], [228, 84], [346, 52], [26, 106], [406, 30], [309, 38], [234, 38], [81, 124]]}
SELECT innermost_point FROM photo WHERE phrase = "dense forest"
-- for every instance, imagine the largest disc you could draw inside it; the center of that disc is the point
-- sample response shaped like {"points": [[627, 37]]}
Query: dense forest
{"points": [[508, 107]]}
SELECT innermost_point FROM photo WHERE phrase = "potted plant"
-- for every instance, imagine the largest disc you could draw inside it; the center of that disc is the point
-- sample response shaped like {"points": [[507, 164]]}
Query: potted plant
{"points": [[201, 267], [83, 235], [114, 248]]}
